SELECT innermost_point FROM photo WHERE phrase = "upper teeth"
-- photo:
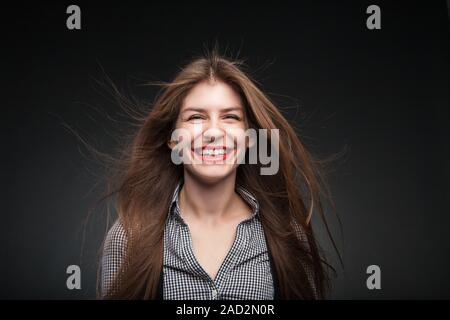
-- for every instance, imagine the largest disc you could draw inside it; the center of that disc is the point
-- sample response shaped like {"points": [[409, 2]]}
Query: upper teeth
{"points": [[214, 152]]}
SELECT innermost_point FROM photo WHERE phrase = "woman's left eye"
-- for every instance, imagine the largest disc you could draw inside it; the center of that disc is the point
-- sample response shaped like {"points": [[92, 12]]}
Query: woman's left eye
{"points": [[232, 116]]}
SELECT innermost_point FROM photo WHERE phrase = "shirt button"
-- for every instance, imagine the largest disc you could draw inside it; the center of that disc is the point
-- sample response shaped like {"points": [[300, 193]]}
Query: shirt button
{"points": [[214, 293]]}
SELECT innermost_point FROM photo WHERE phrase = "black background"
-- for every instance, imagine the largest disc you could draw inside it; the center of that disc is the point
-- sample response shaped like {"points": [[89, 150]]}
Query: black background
{"points": [[382, 95]]}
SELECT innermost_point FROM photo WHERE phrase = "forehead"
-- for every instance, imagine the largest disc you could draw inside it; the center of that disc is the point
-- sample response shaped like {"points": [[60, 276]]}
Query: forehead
{"points": [[215, 95]]}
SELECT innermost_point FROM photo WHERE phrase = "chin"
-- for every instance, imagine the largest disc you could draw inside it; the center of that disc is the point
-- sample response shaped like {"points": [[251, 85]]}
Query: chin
{"points": [[211, 173]]}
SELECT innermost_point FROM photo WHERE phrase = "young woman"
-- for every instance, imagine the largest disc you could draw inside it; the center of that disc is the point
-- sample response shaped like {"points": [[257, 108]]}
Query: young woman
{"points": [[208, 228]]}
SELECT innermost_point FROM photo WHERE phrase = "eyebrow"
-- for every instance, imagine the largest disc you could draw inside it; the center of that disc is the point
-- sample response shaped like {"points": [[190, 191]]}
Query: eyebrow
{"points": [[222, 110]]}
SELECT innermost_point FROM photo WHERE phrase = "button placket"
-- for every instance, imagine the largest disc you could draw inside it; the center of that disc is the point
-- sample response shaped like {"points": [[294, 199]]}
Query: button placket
{"points": [[243, 244], [228, 262]]}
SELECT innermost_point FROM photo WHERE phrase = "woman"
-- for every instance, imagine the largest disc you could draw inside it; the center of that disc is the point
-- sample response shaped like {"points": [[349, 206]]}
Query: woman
{"points": [[209, 228]]}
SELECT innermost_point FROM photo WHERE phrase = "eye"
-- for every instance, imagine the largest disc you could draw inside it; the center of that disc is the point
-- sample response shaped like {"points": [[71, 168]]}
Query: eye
{"points": [[232, 116], [195, 117]]}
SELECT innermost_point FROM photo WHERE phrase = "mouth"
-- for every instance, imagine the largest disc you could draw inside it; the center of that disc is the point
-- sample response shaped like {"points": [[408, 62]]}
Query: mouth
{"points": [[212, 153]]}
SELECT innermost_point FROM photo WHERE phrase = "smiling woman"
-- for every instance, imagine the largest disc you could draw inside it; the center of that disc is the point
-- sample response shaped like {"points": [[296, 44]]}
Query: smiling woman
{"points": [[205, 228]]}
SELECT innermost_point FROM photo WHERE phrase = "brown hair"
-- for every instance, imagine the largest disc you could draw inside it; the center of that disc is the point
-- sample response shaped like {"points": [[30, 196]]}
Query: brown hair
{"points": [[287, 199]]}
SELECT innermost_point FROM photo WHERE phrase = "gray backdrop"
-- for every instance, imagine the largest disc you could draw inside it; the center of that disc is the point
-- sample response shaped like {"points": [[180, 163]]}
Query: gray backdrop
{"points": [[381, 95]]}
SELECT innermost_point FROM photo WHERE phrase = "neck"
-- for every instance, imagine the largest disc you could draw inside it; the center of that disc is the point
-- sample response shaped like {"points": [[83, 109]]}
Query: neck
{"points": [[208, 202]]}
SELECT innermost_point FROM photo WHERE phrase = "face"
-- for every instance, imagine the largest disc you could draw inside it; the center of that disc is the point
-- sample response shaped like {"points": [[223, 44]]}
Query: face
{"points": [[212, 124]]}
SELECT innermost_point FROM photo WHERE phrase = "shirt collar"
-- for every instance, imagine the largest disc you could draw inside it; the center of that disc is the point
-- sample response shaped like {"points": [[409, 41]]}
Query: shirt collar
{"points": [[174, 208]]}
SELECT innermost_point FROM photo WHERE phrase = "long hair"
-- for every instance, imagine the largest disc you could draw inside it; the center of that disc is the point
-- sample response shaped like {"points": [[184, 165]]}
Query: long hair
{"points": [[287, 199]]}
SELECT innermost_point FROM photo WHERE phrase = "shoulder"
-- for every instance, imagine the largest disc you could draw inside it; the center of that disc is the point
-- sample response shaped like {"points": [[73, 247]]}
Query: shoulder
{"points": [[299, 231], [116, 238], [114, 250], [310, 272]]}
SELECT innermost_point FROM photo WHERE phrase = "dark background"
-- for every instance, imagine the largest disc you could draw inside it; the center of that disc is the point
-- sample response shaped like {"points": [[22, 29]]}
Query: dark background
{"points": [[381, 95]]}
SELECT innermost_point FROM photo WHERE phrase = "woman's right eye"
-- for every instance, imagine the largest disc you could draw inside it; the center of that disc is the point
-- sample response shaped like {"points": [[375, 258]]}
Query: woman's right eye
{"points": [[195, 117]]}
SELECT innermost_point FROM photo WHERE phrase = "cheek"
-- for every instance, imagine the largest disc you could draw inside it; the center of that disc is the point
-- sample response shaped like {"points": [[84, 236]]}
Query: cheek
{"points": [[193, 130], [237, 137], [196, 130]]}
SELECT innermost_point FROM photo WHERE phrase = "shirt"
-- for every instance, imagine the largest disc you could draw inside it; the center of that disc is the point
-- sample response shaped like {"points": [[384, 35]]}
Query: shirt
{"points": [[246, 272]]}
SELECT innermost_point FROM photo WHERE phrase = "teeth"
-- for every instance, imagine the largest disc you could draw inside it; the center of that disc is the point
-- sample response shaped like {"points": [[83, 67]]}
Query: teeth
{"points": [[216, 152]]}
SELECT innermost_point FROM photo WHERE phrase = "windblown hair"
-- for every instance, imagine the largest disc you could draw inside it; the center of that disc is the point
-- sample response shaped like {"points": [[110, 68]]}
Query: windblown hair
{"points": [[287, 199]]}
